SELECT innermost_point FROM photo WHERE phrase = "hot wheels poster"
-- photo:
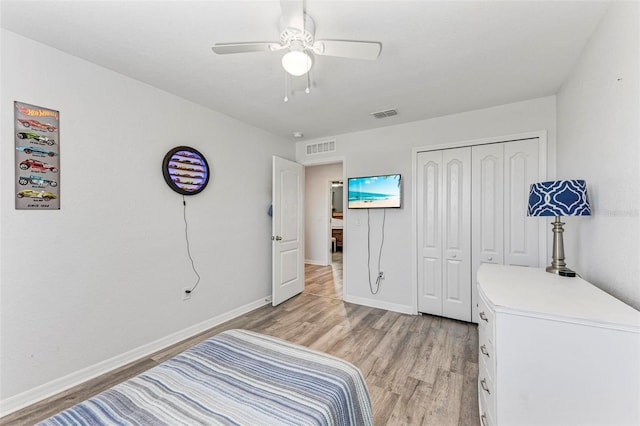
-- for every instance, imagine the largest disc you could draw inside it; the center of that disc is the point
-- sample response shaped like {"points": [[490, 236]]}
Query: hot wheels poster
{"points": [[37, 140]]}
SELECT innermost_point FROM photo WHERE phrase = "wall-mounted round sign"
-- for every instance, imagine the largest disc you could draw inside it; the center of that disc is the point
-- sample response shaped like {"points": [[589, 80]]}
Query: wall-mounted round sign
{"points": [[185, 170]]}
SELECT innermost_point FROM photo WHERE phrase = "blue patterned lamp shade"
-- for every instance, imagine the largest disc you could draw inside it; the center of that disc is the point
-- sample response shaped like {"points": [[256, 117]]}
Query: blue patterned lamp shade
{"points": [[559, 198]]}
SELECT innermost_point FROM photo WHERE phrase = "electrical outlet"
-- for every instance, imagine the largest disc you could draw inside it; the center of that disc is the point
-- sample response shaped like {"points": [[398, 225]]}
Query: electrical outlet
{"points": [[186, 293]]}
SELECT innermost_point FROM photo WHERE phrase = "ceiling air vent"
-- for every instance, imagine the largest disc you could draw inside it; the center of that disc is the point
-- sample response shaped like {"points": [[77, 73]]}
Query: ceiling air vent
{"points": [[385, 114], [321, 147]]}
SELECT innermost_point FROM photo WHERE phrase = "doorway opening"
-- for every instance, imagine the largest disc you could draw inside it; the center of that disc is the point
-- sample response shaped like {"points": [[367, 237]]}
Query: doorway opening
{"points": [[324, 230], [336, 202]]}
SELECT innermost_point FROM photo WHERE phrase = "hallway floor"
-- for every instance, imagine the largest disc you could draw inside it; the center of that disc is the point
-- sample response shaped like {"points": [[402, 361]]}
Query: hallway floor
{"points": [[325, 281]]}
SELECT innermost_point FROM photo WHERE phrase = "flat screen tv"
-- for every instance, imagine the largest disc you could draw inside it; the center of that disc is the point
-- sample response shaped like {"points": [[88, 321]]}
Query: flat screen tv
{"points": [[375, 192]]}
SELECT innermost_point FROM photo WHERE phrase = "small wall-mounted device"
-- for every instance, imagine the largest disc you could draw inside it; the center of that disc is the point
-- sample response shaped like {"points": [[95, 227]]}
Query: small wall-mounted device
{"points": [[185, 170]]}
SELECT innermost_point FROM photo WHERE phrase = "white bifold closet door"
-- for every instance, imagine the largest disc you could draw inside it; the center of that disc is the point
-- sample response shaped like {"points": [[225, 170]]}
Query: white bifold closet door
{"points": [[444, 226], [471, 209], [501, 231]]}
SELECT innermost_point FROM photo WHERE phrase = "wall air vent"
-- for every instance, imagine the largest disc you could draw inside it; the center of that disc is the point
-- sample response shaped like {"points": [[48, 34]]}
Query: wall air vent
{"points": [[385, 114], [321, 147]]}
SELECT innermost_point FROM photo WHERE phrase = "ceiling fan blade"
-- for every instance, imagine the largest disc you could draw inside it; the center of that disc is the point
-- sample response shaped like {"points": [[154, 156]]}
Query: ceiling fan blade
{"points": [[260, 46], [293, 13], [369, 50]]}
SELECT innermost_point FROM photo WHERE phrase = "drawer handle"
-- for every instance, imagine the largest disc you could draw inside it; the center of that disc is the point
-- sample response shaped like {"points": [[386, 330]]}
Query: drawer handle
{"points": [[483, 419], [483, 317], [484, 350], [485, 388]]}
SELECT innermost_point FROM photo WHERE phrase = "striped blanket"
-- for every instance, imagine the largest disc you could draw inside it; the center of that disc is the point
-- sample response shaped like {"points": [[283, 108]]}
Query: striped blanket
{"points": [[235, 378]]}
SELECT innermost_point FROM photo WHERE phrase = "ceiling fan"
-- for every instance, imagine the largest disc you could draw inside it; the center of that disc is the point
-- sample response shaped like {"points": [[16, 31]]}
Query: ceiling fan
{"points": [[298, 37]]}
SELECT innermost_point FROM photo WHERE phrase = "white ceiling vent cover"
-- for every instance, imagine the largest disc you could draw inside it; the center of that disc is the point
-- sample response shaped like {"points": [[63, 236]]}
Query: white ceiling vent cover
{"points": [[321, 147], [385, 114]]}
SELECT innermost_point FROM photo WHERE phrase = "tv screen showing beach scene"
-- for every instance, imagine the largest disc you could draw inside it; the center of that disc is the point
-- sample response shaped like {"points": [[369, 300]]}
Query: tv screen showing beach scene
{"points": [[375, 192]]}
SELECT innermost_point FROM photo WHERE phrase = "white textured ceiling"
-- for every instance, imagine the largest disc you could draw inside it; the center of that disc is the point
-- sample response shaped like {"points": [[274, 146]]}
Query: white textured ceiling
{"points": [[438, 57]]}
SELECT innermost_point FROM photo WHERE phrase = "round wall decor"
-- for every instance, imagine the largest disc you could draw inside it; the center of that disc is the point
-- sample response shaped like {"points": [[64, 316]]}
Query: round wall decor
{"points": [[185, 170]]}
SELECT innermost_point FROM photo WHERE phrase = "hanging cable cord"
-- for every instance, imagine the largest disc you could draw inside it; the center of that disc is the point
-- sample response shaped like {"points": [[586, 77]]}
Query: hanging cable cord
{"points": [[186, 237], [379, 276]]}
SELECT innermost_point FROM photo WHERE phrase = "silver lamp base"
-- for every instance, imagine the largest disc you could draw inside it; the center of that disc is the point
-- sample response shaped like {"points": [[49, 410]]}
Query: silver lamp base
{"points": [[557, 258]]}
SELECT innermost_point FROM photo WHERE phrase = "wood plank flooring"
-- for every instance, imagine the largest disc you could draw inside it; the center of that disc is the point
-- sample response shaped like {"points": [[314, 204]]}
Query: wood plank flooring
{"points": [[420, 370], [325, 281]]}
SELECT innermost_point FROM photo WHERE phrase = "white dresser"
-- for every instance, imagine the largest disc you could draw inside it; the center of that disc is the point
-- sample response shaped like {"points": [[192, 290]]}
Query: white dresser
{"points": [[555, 351]]}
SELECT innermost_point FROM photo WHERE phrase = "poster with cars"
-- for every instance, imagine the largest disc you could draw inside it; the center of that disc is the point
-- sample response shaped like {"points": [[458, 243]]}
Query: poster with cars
{"points": [[37, 141]]}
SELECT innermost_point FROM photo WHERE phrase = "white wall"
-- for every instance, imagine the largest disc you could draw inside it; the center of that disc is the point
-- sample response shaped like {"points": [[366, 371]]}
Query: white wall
{"points": [[599, 141], [316, 205], [389, 150], [100, 281]]}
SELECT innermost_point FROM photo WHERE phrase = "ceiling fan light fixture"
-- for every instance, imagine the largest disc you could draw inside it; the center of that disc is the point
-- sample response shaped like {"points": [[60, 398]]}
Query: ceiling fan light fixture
{"points": [[297, 63]]}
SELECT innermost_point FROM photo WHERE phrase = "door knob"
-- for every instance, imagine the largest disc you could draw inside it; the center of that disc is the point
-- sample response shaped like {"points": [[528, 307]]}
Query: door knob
{"points": [[278, 238]]}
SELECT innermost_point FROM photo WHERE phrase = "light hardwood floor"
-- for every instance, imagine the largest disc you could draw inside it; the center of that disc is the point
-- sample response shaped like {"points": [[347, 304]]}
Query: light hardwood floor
{"points": [[325, 281], [420, 370]]}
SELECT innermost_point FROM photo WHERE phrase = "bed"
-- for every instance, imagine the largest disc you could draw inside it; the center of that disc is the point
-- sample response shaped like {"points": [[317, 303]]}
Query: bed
{"points": [[237, 377]]}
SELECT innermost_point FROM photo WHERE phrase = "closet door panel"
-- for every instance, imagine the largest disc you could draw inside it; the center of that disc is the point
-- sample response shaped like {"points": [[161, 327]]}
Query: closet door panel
{"points": [[487, 207], [456, 301], [430, 232], [487, 203], [431, 294], [521, 231]]}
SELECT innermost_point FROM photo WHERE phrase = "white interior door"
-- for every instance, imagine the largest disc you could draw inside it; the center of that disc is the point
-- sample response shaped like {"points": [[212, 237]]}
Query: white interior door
{"points": [[487, 205], [429, 192], [521, 169], [456, 272], [444, 226], [287, 238], [502, 232]]}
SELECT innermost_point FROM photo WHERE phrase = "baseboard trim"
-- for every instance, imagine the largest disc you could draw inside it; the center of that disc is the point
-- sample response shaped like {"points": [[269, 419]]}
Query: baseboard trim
{"points": [[32, 396], [315, 262], [403, 309]]}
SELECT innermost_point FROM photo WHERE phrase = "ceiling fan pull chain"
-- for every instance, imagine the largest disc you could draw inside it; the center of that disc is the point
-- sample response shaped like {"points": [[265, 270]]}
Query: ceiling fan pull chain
{"points": [[286, 92], [308, 89]]}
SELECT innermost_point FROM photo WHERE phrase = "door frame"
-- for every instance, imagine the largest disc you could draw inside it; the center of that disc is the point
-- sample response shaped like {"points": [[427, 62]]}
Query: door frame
{"points": [[546, 169], [333, 160]]}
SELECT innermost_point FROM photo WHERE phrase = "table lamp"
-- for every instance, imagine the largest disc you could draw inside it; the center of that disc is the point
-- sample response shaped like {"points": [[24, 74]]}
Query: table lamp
{"points": [[559, 198]]}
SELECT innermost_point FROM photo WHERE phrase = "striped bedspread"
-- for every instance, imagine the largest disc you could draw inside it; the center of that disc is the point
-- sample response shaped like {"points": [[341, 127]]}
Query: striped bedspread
{"points": [[235, 378]]}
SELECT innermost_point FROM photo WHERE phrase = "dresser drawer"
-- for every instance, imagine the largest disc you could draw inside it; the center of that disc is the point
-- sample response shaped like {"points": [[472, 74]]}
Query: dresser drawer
{"points": [[486, 356]]}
